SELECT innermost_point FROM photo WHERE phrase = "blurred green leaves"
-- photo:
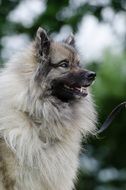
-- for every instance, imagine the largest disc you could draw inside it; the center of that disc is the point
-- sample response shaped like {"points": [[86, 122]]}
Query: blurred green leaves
{"points": [[111, 77]]}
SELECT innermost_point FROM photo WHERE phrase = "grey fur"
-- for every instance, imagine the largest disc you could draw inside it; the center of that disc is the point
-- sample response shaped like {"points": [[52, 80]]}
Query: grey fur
{"points": [[40, 134]]}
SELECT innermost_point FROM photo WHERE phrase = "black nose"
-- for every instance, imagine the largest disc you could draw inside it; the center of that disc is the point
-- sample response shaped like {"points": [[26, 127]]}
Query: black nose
{"points": [[90, 75]]}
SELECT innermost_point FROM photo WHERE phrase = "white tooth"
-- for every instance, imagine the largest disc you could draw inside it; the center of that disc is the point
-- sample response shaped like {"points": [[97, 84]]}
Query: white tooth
{"points": [[81, 89]]}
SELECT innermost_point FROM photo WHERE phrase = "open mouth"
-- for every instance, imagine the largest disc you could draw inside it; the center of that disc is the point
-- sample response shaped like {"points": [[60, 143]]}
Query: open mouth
{"points": [[80, 91], [67, 92], [73, 86]]}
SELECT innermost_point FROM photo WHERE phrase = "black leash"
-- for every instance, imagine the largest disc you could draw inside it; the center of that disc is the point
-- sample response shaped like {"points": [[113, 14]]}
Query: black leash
{"points": [[111, 117]]}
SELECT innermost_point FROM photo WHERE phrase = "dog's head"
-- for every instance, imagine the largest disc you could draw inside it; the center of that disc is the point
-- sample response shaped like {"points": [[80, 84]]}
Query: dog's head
{"points": [[59, 66]]}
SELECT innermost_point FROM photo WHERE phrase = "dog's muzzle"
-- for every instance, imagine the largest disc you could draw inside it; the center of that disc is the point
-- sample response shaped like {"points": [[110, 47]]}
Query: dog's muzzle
{"points": [[72, 85], [77, 82]]}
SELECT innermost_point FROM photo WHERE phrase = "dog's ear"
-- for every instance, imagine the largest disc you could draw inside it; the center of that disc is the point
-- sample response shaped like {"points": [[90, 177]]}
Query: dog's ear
{"points": [[42, 43], [42, 48], [70, 40]]}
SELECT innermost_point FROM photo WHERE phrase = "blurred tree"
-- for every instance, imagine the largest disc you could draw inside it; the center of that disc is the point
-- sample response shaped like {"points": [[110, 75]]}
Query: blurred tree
{"points": [[57, 14]]}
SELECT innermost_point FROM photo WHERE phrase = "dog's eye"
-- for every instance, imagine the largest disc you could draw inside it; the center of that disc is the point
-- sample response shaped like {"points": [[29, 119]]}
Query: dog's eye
{"points": [[64, 64]]}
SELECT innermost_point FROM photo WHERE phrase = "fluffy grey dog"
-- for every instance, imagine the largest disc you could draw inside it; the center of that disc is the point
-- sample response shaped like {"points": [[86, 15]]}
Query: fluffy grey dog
{"points": [[45, 109]]}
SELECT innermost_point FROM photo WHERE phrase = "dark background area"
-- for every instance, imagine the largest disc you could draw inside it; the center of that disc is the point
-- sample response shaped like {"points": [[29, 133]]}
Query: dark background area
{"points": [[103, 161]]}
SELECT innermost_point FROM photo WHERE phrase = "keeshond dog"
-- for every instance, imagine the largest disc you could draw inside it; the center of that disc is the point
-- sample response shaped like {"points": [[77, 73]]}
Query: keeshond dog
{"points": [[45, 110]]}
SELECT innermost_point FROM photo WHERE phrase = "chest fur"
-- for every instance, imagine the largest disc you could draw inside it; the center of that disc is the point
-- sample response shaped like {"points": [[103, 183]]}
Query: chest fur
{"points": [[50, 168]]}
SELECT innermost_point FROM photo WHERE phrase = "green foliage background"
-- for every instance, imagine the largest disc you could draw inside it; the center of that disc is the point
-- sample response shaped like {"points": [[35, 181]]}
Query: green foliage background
{"points": [[104, 166]]}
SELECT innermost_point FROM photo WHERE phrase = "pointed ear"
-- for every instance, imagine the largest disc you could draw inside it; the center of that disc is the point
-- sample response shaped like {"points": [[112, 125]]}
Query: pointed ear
{"points": [[42, 43], [70, 40]]}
